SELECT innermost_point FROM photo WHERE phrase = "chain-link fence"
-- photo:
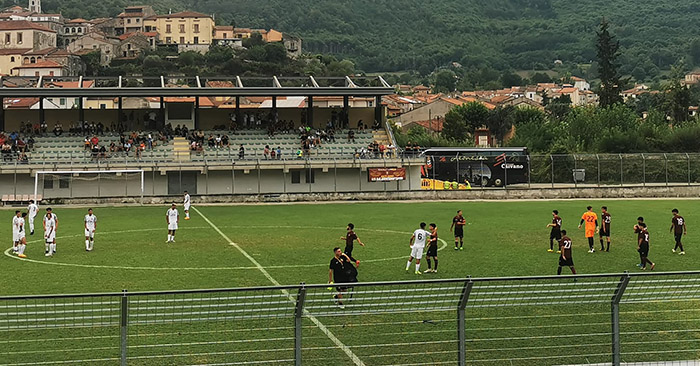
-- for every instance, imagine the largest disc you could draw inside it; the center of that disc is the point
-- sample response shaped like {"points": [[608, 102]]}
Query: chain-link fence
{"points": [[632, 319]]}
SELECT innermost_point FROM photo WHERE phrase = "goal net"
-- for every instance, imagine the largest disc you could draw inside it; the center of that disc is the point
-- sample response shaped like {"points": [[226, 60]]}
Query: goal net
{"points": [[127, 184]]}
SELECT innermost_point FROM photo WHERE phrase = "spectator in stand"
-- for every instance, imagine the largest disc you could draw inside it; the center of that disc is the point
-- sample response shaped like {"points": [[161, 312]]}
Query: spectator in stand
{"points": [[273, 154], [225, 141], [218, 142], [95, 151], [279, 152], [351, 136], [44, 127], [210, 141], [30, 143], [149, 141], [266, 152], [23, 158], [86, 143], [178, 130], [103, 152], [58, 130], [94, 141], [113, 147], [241, 152]]}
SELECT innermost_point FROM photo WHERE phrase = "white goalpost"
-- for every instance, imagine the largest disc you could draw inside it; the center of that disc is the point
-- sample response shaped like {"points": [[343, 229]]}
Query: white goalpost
{"points": [[98, 173]]}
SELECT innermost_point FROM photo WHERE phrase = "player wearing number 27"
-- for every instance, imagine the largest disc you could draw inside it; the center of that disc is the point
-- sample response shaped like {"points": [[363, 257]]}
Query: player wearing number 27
{"points": [[591, 219]]}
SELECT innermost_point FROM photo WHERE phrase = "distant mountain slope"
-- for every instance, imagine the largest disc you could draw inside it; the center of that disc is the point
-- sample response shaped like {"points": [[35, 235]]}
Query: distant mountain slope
{"points": [[386, 35]]}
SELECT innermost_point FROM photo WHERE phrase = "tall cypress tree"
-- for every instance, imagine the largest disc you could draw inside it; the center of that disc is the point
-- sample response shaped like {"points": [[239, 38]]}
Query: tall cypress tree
{"points": [[608, 53]]}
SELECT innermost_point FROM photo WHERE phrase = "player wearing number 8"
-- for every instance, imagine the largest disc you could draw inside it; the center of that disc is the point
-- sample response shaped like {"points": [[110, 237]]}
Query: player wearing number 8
{"points": [[591, 219]]}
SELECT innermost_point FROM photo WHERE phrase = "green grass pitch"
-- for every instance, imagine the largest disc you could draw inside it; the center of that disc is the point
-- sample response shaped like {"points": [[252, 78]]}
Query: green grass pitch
{"points": [[294, 244]]}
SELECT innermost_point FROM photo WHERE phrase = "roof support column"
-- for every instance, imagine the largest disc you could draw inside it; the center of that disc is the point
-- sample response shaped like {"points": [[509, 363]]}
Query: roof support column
{"points": [[120, 112], [81, 110], [42, 114], [2, 114], [239, 116], [196, 113], [161, 115], [378, 109], [310, 111], [345, 115]]}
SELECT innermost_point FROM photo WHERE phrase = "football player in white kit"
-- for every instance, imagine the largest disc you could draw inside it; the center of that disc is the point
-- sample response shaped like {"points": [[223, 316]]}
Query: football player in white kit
{"points": [[186, 205], [90, 226], [417, 246], [172, 217], [32, 211], [18, 235], [50, 227]]}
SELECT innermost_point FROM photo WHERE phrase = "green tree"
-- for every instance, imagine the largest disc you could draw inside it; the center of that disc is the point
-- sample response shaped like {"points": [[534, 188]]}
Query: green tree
{"points": [[92, 63], [500, 121], [445, 81], [559, 107], [341, 68], [254, 40], [608, 50], [678, 96], [695, 51], [509, 79], [455, 126]]}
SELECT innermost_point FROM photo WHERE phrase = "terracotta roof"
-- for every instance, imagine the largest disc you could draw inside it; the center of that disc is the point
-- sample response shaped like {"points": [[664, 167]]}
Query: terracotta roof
{"points": [[69, 84], [43, 52], [223, 28], [79, 20], [23, 103], [130, 15], [221, 84], [21, 25], [434, 125], [44, 64], [14, 51], [185, 14], [568, 90]]}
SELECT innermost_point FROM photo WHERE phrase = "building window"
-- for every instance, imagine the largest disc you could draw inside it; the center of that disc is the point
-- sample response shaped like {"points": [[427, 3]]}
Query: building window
{"points": [[310, 176], [103, 106], [138, 20], [128, 21], [26, 60], [36, 73], [80, 30], [7, 38], [51, 73], [196, 28], [63, 101], [182, 28], [196, 40], [12, 59], [63, 182], [48, 182], [19, 37], [225, 36], [296, 176], [32, 60], [182, 40], [168, 40], [168, 29], [66, 30]]}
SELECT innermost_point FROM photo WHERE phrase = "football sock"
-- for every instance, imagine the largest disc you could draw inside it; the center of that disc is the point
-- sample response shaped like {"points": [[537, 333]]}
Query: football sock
{"points": [[435, 268], [559, 271], [417, 267], [590, 243], [608, 247], [87, 244], [676, 247], [187, 215], [461, 244], [52, 248], [681, 246], [21, 248], [46, 247], [428, 263], [551, 244], [456, 243], [573, 270], [408, 265], [602, 245]]}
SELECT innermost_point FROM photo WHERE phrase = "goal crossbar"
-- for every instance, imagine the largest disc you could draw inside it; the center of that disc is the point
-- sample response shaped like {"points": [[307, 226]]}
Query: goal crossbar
{"points": [[115, 171]]}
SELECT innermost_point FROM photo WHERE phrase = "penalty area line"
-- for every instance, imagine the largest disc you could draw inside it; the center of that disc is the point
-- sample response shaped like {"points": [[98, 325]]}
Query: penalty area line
{"points": [[356, 360]]}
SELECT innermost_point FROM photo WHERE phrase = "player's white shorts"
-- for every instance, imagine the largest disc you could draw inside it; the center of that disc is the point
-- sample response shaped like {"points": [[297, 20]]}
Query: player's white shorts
{"points": [[16, 236], [172, 226], [89, 233], [51, 237], [187, 206], [417, 252]]}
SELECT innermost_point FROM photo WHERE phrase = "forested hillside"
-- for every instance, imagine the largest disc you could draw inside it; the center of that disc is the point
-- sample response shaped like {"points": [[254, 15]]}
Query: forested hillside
{"points": [[390, 35]]}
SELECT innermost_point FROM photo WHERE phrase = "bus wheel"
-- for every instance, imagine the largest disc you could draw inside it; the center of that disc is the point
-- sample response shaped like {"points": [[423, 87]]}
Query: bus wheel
{"points": [[484, 182], [498, 182]]}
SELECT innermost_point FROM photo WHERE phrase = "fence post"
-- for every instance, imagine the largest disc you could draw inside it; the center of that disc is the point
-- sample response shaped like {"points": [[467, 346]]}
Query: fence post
{"points": [[644, 171], [529, 172], [299, 312], [622, 177], [597, 158], [615, 318], [666, 168], [461, 326], [688, 157], [575, 168], [123, 322], [551, 158]]}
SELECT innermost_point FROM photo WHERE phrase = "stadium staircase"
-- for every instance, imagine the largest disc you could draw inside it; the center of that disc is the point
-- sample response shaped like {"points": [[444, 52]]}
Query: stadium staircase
{"points": [[181, 149]]}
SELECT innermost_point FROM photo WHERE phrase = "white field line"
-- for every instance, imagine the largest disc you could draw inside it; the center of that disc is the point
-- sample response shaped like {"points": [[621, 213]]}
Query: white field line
{"points": [[78, 265], [262, 269]]}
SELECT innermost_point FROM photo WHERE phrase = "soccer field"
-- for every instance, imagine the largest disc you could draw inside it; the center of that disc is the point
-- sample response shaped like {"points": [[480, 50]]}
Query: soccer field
{"points": [[294, 244], [262, 245]]}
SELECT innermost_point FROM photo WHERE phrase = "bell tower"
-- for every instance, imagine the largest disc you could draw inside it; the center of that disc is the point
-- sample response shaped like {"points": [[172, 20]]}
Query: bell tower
{"points": [[35, 6]]}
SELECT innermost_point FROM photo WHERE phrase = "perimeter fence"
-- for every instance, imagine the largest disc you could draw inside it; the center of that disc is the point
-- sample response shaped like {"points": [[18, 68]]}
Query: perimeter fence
{"points": [[561, 320]]}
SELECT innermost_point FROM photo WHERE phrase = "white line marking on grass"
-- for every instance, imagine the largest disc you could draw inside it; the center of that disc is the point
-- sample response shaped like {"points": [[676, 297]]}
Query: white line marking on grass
{"points": [[78, 265], [321, 326]]}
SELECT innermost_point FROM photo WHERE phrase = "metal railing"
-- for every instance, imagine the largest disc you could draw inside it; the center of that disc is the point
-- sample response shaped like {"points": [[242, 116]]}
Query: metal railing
{"points": [[549, 320]]}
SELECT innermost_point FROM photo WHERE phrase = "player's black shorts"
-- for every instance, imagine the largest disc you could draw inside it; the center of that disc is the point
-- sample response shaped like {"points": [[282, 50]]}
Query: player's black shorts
{"points": [[678, 237], [568, 262], [555, 234], [432, 251], [604, 232], [459, 233], [644, 250]]}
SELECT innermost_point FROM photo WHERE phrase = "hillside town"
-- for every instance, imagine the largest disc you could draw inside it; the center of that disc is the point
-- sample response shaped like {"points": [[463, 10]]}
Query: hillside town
{"points": [[40, 44]]}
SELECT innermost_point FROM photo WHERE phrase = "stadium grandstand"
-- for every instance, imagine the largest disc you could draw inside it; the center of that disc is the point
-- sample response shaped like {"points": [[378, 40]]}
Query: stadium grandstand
{"points": [[213, 135]]}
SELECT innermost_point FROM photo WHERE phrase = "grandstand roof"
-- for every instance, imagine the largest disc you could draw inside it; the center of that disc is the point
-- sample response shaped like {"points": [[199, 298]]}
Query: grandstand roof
{"points": [[194, 87]]}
